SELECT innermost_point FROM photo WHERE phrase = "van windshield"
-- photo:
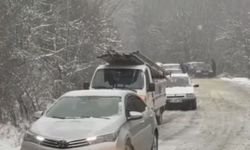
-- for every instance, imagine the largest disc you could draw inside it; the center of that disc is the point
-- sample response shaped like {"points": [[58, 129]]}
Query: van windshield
{"points": [[118, 78]]}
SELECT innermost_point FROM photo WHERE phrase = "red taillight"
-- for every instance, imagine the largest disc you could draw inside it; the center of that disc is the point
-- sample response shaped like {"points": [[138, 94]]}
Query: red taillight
{"points": [[143, 98]]}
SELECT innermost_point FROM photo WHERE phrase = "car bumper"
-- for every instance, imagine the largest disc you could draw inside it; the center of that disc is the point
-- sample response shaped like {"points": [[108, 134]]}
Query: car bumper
{"points": [[172, 104], [102, 146]]}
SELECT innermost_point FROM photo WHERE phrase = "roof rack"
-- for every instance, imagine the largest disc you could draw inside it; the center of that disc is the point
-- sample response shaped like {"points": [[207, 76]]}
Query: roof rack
{"points": [[133, 58]]}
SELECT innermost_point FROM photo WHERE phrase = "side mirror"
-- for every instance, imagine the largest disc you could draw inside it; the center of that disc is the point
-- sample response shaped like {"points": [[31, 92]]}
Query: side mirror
{"points": [[196, 85], [134, 115], [151, 87], [86, 85], [37, 115]]}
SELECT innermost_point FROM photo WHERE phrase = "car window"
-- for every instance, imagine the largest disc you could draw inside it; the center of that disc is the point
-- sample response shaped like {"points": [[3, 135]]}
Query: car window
{"points": [[134, 103]]}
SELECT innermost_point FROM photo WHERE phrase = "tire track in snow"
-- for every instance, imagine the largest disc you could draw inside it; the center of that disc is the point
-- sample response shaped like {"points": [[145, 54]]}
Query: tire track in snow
{"points": [[220, 123]]}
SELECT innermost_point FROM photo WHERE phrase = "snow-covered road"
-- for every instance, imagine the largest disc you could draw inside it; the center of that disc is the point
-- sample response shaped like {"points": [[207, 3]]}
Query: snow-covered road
{"points": [[222, 121]]}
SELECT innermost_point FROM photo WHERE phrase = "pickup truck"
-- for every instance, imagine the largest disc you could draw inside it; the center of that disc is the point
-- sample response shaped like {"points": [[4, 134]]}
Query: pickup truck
{"points": [[137, 78]]}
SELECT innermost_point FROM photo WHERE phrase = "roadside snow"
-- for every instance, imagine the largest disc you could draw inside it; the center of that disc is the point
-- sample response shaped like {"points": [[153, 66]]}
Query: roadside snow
{"points": [[241, 81], [6, 146], [9, 137]]}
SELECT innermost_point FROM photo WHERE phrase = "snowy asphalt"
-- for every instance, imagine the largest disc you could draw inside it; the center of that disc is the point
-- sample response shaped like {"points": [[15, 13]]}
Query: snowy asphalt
{"points": [[221, 122]]}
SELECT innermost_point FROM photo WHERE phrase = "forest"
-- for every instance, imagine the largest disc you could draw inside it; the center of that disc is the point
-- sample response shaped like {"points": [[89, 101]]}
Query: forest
{"points": [[48, 47]]}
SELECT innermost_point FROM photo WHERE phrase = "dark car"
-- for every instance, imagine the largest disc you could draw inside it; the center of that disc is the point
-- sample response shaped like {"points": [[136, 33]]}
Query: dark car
{"points": [[200, 69]]}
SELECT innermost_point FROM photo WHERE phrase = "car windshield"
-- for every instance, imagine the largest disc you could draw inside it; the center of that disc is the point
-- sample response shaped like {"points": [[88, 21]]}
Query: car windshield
{"points": [[179, 82], [85, 107], [118, 78]]}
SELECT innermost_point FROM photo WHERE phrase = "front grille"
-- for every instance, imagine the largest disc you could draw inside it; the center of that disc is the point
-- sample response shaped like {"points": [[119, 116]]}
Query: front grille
{"points": [[61, 144], [78, 143], [175, 96]]}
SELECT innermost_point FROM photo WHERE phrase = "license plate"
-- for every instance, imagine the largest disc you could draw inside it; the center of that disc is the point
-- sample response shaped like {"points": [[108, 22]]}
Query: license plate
{"points": [[175, 101]]}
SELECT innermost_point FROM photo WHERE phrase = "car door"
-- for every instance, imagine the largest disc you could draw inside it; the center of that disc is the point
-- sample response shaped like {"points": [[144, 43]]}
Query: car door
{"points": [[141, 129]]}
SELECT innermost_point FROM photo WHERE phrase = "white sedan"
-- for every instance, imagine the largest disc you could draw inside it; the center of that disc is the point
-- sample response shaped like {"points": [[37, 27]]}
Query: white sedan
{"points": [[180, 93]]}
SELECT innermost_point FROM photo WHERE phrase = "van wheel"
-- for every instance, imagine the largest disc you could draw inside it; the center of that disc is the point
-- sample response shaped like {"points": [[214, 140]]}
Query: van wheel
{"points": [[128, 146]]}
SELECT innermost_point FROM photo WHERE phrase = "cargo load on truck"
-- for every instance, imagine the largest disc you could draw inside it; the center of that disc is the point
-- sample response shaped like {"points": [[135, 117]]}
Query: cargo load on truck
{"points": [[136, 72], [134, 58]]}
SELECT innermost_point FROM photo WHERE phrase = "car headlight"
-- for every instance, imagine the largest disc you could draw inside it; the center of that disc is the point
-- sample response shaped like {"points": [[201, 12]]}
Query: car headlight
{"points": [[31, 137], [190, 95], [101, 139], [198, 71]]}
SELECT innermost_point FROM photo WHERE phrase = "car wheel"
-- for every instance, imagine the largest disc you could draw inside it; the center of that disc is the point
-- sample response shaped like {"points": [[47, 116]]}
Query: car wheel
{"points": [[159, 117], [193, 105], [155, 143], [128, 146]]}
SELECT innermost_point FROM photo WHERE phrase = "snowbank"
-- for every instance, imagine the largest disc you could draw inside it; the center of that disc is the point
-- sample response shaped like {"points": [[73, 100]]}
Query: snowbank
{"points": [[6, 146], [242, 81], [10, 137]]}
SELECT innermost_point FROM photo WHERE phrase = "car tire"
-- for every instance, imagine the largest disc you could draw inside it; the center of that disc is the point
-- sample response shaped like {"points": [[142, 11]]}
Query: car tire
{"points": [[159, 117], [155, 143], [193, 105], [128, 146]]}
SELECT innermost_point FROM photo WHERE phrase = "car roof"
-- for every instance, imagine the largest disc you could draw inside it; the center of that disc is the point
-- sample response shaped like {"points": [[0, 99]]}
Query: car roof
{"points": [[111, 92], [180, 75], [171, 64], [195, 62], [107, 66]]}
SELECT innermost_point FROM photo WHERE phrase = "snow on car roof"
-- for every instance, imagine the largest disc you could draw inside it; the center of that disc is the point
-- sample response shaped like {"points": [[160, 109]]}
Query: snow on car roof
{"points": [[171, 64], [195, 62], [180, 75], [107, 66], [112, 92]]}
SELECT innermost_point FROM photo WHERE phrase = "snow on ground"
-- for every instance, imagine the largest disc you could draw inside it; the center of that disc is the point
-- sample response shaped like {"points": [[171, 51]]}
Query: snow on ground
{"points": [[10, 137], [221, 121], [6, 146], [241, 81]]}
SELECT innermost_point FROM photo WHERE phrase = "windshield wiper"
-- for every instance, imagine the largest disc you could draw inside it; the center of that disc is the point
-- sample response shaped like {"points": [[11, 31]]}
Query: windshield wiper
{"points": [[94, 117], [57, 117], [102, 87]]}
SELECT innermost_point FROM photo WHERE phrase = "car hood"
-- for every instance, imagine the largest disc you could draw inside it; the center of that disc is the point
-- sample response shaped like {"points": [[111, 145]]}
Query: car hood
{"points": [[74, 129], [179, 90]]}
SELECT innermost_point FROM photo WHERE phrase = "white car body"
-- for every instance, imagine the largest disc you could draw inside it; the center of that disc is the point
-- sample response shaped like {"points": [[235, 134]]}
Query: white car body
{"points": [[94, 133], [180, 95], [180, 91]]}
